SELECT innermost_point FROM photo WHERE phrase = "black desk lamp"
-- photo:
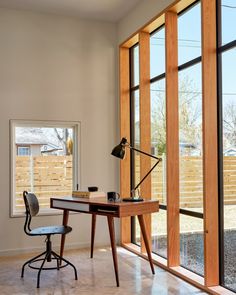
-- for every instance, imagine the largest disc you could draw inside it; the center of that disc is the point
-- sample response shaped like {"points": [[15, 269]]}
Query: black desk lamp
{"points": [[119, 152]]}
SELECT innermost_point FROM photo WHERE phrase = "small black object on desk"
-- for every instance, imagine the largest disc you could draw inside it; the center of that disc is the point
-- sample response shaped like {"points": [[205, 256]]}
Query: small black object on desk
{"points": [[92, 188]]}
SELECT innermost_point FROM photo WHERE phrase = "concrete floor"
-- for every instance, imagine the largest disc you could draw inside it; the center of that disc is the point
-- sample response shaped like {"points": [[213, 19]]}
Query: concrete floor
{"points": [[95, 276]]}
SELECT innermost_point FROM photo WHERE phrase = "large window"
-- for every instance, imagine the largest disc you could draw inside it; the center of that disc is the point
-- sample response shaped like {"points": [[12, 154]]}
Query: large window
{"points": [[44, 160], [227, 121], [192, 130], [190, 138]]}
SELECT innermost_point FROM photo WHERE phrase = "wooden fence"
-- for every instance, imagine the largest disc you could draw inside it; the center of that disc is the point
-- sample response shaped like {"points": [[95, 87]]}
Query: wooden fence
{"points": [[191, 181], [52, 176], [46, 176]]}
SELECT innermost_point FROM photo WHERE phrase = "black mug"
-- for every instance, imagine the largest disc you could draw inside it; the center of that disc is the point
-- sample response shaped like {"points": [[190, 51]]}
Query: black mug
{"points": [[113, 196]]}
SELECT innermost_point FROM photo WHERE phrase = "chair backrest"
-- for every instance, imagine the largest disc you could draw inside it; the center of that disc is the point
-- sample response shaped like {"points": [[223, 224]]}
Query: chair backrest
{"points": [[32, 209]]}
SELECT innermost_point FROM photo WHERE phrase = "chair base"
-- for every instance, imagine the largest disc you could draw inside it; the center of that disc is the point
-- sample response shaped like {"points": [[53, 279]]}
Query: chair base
{"points": [[47, 257], [47, 268]]}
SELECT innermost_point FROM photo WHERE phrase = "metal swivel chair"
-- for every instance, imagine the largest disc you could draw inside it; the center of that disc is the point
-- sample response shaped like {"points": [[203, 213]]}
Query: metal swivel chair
{"points": [[32, 209]]}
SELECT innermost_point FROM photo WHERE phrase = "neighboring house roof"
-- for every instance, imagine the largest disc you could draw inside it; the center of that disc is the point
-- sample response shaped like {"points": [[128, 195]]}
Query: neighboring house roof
{"points": [[35, 136], [30, 136]]}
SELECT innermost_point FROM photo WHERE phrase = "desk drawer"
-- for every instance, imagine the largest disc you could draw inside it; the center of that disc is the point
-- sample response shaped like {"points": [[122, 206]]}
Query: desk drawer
{"points": [[73, 206], [105, 210]]}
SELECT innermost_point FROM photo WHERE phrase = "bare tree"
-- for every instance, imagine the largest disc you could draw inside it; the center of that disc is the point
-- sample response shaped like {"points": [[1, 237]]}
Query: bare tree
{"points": [[64, 139], [229, 122], [189, 115]]}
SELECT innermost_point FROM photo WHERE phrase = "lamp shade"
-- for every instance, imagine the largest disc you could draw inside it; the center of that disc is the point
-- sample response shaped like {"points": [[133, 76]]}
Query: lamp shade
{"points": [[119, 150]]}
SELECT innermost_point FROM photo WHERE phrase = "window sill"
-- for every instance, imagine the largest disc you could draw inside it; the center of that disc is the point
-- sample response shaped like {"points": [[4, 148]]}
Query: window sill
{"points": [[179, 271]]}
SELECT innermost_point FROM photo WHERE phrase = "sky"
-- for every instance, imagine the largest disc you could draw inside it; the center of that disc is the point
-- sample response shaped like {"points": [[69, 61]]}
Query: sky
{"points": [[189, 44], [189, 47]]}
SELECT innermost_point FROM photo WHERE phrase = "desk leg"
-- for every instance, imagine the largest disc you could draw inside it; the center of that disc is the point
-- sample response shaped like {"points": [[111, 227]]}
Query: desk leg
{"points": [[63, 237], [110, 220], [92, 234], [145, 238]]}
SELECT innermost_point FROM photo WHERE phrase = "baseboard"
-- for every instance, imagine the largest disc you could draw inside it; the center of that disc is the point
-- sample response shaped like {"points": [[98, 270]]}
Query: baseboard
{"points": [[71, 246]]}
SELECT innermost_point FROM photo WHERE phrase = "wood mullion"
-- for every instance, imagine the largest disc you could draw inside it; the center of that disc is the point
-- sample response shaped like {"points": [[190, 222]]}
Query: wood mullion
{"points": [[172, 139], [145, 123], [210, 159], [125, 132], [157, 21]]}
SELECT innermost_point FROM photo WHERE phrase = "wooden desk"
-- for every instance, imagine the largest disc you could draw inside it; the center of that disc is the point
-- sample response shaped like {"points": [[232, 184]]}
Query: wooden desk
{"points": [[100, 206]]}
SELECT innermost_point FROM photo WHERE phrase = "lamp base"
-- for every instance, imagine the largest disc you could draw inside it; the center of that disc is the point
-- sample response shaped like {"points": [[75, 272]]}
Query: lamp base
{"points": [[132, 200]]}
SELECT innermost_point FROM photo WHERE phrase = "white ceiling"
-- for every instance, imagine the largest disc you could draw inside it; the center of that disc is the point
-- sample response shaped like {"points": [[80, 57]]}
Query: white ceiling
{"points": [[106, 10]]}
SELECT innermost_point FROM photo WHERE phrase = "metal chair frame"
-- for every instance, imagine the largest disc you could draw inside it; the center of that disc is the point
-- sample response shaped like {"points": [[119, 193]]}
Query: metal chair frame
{"points": [[32, 209]]}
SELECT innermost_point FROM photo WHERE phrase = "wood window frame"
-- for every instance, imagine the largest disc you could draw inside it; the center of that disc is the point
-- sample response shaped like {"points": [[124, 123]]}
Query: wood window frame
{"points": [[145, 123], [172, 140], [210, 143], [168, 17]]}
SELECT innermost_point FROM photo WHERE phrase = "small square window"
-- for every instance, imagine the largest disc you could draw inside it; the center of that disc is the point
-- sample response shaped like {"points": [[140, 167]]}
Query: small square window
{"points": [[44, 160]]}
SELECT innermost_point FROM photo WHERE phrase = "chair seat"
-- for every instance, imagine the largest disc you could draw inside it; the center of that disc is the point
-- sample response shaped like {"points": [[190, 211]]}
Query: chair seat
{"points": [[51, 230]]}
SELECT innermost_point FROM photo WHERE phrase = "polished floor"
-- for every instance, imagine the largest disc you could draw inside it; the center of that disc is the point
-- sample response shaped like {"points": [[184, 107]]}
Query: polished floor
{"points": [[95, 276]]}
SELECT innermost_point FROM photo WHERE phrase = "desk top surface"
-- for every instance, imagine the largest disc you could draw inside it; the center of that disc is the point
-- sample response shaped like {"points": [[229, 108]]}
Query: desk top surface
{"points": [[103, 201], [104, 207]]}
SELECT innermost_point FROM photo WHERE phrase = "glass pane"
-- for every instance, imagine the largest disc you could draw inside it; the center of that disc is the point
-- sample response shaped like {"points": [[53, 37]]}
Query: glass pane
{"points": [[136, 118], [157, 53], [190, 138], [191, 175], [134, 65], [191, 244], [228, 10], [158, 139], [229, 165], [158, 144], [46, 168], [136, 156], [159, 233], [189, 34]]}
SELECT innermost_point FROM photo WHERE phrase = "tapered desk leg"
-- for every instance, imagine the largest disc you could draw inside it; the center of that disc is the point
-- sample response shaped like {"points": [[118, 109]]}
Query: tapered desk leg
{"points": [[145, 238], [110, 220], [63, 237], [92, 234]]}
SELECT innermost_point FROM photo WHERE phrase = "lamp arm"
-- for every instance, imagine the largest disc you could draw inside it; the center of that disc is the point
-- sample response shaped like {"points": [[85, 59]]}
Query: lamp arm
{"points": [[147, 174], [147, 154]]}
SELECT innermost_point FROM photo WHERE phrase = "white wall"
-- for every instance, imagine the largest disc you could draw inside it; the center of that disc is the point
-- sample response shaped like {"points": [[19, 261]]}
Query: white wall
{"points": [[139, 16], [59, 68]]}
